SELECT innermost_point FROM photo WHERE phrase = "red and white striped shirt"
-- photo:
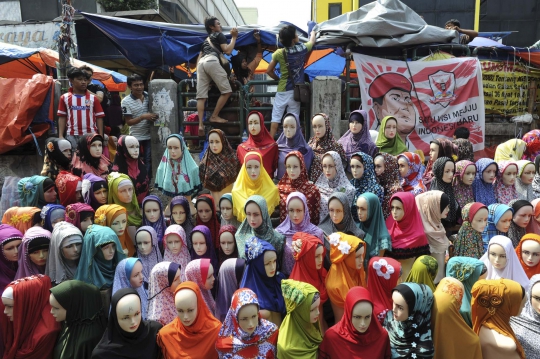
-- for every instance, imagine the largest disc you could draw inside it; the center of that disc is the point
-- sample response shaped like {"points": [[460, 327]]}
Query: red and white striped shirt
{"points": [[81, 112]]}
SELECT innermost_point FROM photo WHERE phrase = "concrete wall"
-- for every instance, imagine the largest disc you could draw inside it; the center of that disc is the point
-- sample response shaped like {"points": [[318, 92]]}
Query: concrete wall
{"points": [[326, 98]]}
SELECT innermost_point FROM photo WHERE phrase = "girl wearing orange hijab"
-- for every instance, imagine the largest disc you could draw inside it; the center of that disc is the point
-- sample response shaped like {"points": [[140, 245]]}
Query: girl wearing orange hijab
{"points": [[115, 217], [347, 257], [528, 252], [194, 332]]}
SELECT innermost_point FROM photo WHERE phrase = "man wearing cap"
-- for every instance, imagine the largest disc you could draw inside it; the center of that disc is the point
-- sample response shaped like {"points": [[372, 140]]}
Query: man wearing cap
{"points": [[391, 94]]}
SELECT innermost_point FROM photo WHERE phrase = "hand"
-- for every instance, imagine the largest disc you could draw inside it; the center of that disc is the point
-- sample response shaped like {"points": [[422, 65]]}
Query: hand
{"points": [[234, 32], [201, 131], [257, 36], [297, 245]]}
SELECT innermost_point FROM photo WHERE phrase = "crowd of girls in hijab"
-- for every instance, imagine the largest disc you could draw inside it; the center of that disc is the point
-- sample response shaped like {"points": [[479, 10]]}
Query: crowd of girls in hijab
{"points": [[287, 248]]}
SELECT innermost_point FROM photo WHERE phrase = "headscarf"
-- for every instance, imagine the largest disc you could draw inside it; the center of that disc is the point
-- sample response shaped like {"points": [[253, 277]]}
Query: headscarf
{"points": [[68, 185], [412, 182], [452, 337], [469, 241], [383, 276], [321, 146], [408, 237], [532, 143], [26, 266], [118, 343], [197, 272], [58, 268], [263, 144], [393, 146], [90, 184], [503, 193], [210, 250], [85, 319], [56, 158], [154, 257], [33, 331], [132, 209], [265, 230], [424, 271], [180, 176], [83, 162], [463, 193], [376, 235], [495, 213], [133, 167], [217, 171], [188, 223], [22, 218], [304, 269], [347, 224], [229, 277], [534, 226], [389, 180], [268, 289], [122, 278], [288, 229], [245, 187], [515, 232], [8, 269], [213, 223], [302, 184], [446, 149], [344, 341], [525, 191], [343, 274], [235, 343], [196, 341], [161, 306], [526, 326], [93, 268], [493, 303], [536, 181], [31, 190], [160, 225], [105, 216], [360, 142], [465, 149], [412, 338], [368, 182], [340, 183], [298, 337], [233, 221], [182, 258], [51, 213], [511, 150], [513, 269], [529, 271], [467, 271], [222, 257], [297, 143], [429, 206], [438, 184]]}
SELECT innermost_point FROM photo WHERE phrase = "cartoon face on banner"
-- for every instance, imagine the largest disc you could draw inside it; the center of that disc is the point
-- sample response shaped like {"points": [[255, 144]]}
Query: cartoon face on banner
{"points": [[429, 99]]}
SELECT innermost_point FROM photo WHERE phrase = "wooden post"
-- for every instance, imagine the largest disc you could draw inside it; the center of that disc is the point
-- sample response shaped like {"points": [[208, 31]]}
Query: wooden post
{"points": [[531, 102]]}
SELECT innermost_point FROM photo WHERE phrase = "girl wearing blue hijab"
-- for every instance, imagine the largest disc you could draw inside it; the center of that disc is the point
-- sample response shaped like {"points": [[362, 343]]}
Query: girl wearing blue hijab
{"points": [[486, 172], [499, 221]]}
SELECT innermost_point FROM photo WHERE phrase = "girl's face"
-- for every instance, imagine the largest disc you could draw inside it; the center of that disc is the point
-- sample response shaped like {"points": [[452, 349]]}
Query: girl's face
{"points": [[199, 243], [254, 215], [253, 168], [468, 176], [136, 280], [448, 172], [11, 250], [185, 302], [174, 147], [509, 175], [445, 211], [289, 126], [489, 173], [535, 298], [390, 129], [355, 127], [497, 256], [379, 165], [296, 210], [50, 195], [504, 223], [39, 257], [204, 212], [72, 251], [329, 167], [152, 211], [225, 206], [292, 166], [314, 311], [226, 241], [479, 221], [270, 262], [319, 257], [254, 124], [125, 194], [128, 312], [209, 283], [248, 318], [523, 216], [433, 153], [179, 214], [361, 316], [319, 129], [119, 224], [335, 209], [108, 251], [96, 149], [58, 312], [403, 166], [214, 141], [86, 222], [396, 208], [530, 252], [359, 259], [400, 309], [174, 243], [144, 242], [362, 209], [527, 176], [101, 195], [357, 168], [67, 153]]}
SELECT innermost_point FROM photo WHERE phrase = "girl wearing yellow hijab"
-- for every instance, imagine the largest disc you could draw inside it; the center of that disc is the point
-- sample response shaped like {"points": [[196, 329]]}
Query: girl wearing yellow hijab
{"points": [[253, 179], [115, 217]]}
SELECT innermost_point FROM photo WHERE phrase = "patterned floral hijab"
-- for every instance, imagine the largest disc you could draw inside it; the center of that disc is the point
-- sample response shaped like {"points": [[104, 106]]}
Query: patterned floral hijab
{"points": [[469, 241], [412, 182], [217, 171], [424, 271], [182, 258], [465, 149], [526, 326], [532, 143], [505, 193], [484, 192], [154, 257], [197, 272], [368, 182], [389, 180], [161, 306], [463, 193], [525, 191]]}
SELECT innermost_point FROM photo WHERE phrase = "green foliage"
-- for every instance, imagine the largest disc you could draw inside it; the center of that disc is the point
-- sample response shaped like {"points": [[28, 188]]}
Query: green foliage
{"points": [[127, 5]]}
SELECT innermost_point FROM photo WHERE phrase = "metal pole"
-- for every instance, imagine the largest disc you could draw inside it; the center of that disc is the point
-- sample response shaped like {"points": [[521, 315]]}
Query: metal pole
{"points": [[65, 44]]}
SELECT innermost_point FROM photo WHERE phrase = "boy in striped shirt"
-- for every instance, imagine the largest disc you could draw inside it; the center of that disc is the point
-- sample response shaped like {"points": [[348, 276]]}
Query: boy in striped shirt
{"points": [[79, 111]]}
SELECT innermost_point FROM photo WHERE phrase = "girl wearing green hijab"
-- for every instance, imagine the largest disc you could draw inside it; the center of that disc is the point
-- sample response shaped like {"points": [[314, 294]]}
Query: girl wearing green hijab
{"points": [[388, 139], [121, 192], [299, 334], [371, 221], [424, 271]]}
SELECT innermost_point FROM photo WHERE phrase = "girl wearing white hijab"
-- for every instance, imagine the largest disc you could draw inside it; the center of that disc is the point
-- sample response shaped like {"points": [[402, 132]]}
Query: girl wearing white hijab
{"points": [[502, 261]]}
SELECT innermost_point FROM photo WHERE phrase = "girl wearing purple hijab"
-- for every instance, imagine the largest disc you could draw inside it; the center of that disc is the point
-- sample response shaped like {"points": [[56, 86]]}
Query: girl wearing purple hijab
{"points": [[292, 139], [147, 250], [297, 220], [94, 190], [152, 209], [357, 138], [203, 245], [33, 252], [10, 239], [181, 215]]}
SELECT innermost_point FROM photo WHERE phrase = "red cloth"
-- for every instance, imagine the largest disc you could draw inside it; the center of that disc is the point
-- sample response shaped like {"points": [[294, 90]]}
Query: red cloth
{"points": [[213, 224], [304, 269], [66, 183], [409, 232], [262, 143], [388, 81], [33, 332], [344, 341], [381, 282]]}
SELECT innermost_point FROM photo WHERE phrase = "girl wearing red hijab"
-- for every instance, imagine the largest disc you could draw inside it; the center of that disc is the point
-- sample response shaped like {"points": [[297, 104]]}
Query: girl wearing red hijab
{"points": [[358, 335], [383, 276], [261, 141], [28, 329]]}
